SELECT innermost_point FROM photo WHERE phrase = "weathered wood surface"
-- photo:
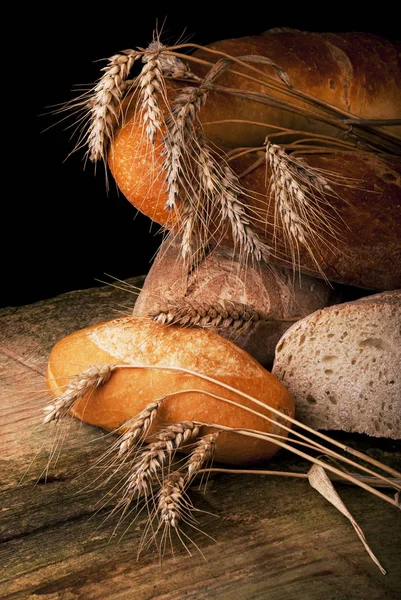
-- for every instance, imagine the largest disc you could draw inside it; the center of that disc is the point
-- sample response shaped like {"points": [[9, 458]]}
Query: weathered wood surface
{"points": [[274, 538]]}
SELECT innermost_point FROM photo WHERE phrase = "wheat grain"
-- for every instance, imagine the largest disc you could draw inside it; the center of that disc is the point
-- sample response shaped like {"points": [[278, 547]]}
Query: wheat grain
{"points": [[83, 383]]}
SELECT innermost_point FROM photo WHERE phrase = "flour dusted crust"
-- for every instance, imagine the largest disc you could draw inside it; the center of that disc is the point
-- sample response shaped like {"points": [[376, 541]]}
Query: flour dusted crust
{"points": [[142, 342], [342, 365]]}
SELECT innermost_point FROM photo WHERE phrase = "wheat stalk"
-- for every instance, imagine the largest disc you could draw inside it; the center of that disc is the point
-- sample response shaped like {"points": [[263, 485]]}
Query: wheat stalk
{"points": [[85, 382]]}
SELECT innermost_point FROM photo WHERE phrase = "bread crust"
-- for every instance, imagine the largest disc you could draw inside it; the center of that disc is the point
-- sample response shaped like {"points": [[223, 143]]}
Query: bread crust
{"points": [[358, 73], [273, 292], [365, 205], [142, 342]]}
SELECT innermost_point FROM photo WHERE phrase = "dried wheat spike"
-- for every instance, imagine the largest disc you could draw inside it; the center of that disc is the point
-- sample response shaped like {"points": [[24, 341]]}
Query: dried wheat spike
{"points": [[105, 101], [294, 185], [150, 84], [171, 504], [190, 313], [85, 382], [156, 456], [202, 453], [180, 128], [233, 210], [172, 66], [137, 428]]}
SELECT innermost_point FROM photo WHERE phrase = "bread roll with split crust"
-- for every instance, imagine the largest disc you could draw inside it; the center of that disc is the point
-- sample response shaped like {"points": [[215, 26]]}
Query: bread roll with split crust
{"points": [[142, 342]]}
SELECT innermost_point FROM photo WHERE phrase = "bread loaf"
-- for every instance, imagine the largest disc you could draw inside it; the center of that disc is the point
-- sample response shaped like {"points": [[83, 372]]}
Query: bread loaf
{"points": [[356, 73], [365, 208], [144, 343], [269, 299], [342, 364], [333, 77]]}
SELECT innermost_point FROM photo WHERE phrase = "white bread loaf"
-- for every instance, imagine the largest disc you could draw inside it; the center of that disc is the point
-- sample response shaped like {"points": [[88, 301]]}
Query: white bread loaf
{"points": [[342, 365], [273, 297], [141, 342]]}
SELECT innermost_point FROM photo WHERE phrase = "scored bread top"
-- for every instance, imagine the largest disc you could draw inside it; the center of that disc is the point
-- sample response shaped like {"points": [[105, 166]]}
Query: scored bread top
{"points": [[192, 348], [141, 343]]}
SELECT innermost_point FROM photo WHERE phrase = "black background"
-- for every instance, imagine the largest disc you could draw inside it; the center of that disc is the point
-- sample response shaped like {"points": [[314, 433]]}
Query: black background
{"points": [[60, 230]]}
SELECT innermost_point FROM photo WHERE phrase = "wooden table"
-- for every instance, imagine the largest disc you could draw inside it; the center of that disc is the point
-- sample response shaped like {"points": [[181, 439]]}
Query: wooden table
{"points": [[273, 538]]}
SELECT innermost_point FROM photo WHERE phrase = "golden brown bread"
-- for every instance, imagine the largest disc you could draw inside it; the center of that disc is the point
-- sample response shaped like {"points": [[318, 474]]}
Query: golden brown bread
{"points": [[356, 73], [143, 342], [366, 207]]}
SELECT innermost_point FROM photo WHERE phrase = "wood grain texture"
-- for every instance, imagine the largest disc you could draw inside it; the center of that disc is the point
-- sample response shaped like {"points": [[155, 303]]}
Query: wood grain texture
{"points": [[275, 538]]}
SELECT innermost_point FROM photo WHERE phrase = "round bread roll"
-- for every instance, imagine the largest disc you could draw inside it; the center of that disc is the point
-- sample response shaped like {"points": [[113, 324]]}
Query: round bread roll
{"points": [[269, 299], [143, 343]]}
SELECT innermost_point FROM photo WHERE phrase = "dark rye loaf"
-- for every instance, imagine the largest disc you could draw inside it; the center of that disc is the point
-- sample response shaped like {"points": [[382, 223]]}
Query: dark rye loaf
{"points": [[342, 365]]}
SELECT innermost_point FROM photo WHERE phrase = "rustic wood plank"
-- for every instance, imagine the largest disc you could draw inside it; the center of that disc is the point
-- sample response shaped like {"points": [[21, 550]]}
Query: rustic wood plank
{"points": [[275, 538]]}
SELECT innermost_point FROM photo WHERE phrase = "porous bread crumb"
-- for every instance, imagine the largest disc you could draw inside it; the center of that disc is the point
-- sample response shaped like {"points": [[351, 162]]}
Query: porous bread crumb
{"points": [[342, 365]]}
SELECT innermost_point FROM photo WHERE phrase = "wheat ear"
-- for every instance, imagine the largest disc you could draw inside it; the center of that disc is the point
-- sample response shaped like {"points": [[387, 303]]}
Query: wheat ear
{"points": [[136, 429], [299, 192], [85, 382], [171, 504], [156, 456], [105, 101], [191, 313], [202, 454], [180, 128]]}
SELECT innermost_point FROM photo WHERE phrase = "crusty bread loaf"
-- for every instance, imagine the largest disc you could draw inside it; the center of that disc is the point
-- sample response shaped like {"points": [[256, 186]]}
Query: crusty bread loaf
{"points": [[365, 207], [139, 341], [357, 73], [273, 296], [342, 365]]}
